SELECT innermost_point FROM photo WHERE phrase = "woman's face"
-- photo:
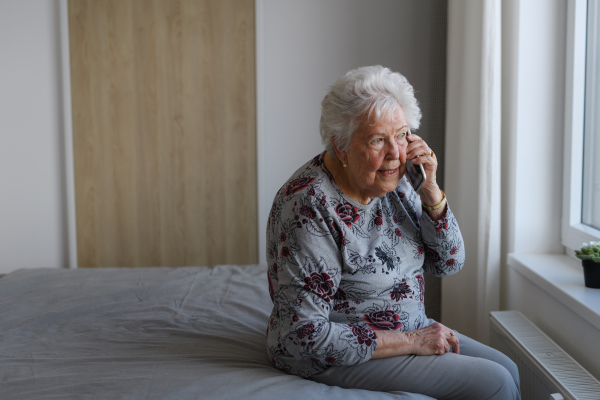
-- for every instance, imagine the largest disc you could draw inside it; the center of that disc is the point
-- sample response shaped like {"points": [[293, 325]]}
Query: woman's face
{"points": [[376, 158]]}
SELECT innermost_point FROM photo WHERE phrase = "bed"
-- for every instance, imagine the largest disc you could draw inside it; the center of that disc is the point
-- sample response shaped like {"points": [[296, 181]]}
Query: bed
{"points": [[144, 333]]}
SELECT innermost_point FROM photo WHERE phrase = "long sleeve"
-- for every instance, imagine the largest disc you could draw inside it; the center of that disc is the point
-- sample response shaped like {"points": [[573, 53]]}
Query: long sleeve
{"points": [[444, 246], [339, 270], [305, 269]]}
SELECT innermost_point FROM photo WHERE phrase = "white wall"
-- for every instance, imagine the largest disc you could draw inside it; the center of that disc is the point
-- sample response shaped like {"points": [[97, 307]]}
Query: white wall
{"points": [[32, 212], [302, 48]]}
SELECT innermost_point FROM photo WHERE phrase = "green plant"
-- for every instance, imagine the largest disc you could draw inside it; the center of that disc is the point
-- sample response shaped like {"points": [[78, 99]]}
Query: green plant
{"points": [[589, 252]]}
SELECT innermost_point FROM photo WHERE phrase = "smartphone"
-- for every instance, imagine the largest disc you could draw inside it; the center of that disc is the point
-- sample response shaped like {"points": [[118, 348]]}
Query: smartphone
{"points": [[415, 173]]}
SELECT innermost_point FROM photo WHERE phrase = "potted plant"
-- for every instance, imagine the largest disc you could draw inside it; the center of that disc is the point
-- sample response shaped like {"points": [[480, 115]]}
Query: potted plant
{"points": [[590, 259]]}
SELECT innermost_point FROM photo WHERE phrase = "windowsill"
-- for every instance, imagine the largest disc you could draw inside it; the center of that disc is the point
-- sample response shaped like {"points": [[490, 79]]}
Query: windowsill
{"points": [[562, 278]]}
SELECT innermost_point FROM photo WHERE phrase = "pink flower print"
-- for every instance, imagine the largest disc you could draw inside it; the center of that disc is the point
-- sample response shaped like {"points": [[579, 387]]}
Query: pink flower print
{"points": [[307, 212], [383, 320], [440, 224], [321, 284], [348, 213], [305, 330], [421, 283], [298, 184], [364, 334]]}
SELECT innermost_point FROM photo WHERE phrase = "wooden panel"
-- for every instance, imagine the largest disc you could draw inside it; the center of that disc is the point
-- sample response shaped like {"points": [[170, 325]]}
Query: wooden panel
{"points": [[164, 132]]}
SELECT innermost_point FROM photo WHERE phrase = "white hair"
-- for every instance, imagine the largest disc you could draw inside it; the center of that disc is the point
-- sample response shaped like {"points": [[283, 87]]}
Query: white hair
{"points": [[363, 92]]}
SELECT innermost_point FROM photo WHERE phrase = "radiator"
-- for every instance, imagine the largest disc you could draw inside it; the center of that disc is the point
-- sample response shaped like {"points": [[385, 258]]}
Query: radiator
{"points": [[546, 371]]}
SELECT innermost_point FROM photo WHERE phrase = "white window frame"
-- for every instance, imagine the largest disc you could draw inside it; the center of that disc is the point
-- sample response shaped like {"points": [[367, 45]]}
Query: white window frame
{"points": [[573, 232]]}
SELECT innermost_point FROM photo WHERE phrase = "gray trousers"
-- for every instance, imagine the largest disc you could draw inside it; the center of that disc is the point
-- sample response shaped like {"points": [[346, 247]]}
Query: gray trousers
{"points": [[477, 373]]}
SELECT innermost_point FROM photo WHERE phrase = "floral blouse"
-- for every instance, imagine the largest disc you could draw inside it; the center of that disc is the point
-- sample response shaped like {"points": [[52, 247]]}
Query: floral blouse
{"points": [[338, 270]]}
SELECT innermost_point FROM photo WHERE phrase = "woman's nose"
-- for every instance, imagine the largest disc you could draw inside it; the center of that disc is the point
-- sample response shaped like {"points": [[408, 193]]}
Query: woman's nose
{"points": [[393, 150]]}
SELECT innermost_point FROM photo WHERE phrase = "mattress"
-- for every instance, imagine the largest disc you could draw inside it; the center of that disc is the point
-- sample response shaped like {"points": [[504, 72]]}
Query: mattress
{"points": [[144, 333]]}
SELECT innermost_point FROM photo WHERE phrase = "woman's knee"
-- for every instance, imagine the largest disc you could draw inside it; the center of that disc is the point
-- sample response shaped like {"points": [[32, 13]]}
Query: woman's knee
{"points": [[485, 379], [514, 371], [500, 382], [511, 367], [476, 349]]}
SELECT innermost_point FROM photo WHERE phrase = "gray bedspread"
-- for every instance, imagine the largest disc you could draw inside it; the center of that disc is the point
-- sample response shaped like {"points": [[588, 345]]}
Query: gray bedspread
{"points": [[145, 333]]}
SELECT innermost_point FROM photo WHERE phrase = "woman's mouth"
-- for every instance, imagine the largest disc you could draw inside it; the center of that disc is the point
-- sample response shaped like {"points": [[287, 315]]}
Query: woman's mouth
{"points": [[388, 172]]}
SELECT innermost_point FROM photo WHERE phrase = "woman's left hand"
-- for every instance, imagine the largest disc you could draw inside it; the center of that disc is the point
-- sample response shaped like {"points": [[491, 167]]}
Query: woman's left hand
{"points": [[419, 153]]}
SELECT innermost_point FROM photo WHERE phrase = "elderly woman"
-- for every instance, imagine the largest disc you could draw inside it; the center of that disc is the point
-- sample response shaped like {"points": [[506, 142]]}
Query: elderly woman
{"points": [[348, 240]]}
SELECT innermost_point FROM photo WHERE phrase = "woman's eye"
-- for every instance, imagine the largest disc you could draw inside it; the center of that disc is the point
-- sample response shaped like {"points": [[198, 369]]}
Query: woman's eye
{"points": [[378, 140]]}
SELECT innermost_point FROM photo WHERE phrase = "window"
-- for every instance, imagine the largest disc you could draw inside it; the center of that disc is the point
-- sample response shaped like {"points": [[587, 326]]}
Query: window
{"points": [[591, 155], [581, 191]]}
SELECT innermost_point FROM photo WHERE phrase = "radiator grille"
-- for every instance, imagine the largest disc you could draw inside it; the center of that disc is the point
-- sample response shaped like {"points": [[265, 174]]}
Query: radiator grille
{"points": [[544, 368]]}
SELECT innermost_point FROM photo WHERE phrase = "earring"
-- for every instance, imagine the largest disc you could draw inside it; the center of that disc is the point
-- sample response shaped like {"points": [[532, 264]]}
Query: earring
{"points": [[344, 165]]}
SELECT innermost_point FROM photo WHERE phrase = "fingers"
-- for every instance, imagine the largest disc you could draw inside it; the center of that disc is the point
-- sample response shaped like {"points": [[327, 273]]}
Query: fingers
{"points": [[453, 340], [418, 152], [424, 158], [446, 338], [435, 339], [417, 148]]}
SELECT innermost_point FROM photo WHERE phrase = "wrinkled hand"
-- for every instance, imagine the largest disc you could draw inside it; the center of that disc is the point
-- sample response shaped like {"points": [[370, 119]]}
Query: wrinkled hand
{"points": [[418, 152], [434, 339]]}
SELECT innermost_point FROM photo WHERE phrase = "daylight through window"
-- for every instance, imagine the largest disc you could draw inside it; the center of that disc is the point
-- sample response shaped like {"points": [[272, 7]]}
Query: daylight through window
{"points": [[591, 155]]}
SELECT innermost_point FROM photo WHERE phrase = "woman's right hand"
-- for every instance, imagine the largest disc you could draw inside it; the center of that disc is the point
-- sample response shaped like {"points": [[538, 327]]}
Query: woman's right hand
{"points": [[431, 340]]}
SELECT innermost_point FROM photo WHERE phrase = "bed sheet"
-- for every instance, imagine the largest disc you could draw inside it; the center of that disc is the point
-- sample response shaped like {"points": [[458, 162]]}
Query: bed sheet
{"points": [[144, 333]]}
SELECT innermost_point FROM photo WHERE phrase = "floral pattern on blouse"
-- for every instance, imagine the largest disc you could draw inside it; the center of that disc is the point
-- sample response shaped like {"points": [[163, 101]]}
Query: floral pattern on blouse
{"points": [[339, 271]]}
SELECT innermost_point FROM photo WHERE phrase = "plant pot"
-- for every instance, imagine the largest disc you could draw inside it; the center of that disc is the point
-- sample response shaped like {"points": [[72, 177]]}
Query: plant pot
{"points": [[591, 273]]}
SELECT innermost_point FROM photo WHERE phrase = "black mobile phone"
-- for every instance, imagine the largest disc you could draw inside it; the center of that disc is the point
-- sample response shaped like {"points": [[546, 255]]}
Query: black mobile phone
{"points": [[415, 173]]}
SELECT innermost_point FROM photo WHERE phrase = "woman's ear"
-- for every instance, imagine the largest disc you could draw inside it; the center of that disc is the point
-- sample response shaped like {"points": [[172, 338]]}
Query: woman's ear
{"points": [[341, 155]]}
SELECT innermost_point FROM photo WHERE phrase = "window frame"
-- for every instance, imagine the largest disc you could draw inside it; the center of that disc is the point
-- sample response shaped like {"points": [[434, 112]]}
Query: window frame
{"points": [[573, 232]]}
